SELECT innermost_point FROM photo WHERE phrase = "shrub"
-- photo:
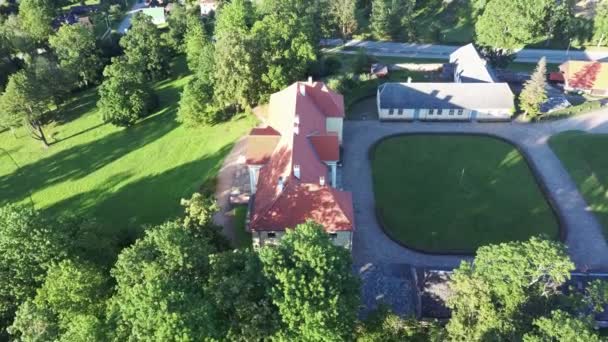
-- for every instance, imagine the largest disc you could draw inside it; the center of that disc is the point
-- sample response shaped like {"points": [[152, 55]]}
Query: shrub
{"points": [[331, 65]]}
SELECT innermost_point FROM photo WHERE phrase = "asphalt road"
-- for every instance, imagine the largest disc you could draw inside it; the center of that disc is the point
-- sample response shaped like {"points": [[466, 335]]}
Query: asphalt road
{"points": [[443, 51]]}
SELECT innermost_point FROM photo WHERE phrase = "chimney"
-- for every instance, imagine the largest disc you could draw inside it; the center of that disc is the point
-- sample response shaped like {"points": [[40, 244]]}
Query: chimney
{"points": [[310, 80], [303, 89], [281, 185], [322, 180], [296, 171], [296, 125]]}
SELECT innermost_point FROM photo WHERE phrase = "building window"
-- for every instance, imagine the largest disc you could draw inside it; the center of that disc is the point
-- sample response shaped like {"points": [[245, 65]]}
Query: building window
{"points": [[439, 111], [451, 112], [431, 111], [271, 235], [390, 111], [400, 112], [460, 112], [333, 236]]}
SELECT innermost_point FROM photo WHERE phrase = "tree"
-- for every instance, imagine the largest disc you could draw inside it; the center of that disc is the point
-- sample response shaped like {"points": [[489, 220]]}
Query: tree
{"points": [[36, 18], [71, 299], [159, 292], [199, 51], [600, 23], [145, 49], [237, 288], [23, 102], [312, 285], [196, 106], [344, 13], [199, 211], [507, 288], [125, 96], [513, 24], [235, 78], [534, 93], [287, 48], [29, 244], [178, 24], [562, 326], [391, 19], [75, 48], [384, 326]]}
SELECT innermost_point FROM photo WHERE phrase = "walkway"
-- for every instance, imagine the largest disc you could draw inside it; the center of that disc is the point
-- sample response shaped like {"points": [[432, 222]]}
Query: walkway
{"points": [[585, 241], [413, 50], [225, 180]]}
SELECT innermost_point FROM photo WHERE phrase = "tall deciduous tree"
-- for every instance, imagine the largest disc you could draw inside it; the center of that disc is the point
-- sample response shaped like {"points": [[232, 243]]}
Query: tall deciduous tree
{"points": [[600, 23], [562, 326], [75, 48], [72, 298], [344, 13], [145, 48], [178, 23], [391, 19], [312, 285], [159, 294], [235, 78], [507, 288], [24, 102], [513, 24], [125, 95], [29, 244], [238, 290], [36, 18], [534, 93]]}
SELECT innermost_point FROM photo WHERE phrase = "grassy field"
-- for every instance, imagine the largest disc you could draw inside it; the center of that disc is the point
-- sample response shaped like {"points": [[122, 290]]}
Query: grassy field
{"points": [[124, 177], [584, 156], [456, 193]]}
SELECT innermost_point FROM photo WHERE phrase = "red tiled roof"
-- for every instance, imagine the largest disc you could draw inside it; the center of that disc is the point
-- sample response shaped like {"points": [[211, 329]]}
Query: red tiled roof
{"points": [[556, 76], [326, 146], [298, 113]]}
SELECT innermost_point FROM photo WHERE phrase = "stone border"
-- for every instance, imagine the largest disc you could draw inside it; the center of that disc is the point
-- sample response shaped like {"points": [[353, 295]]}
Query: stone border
{"points": [[563, 234]]}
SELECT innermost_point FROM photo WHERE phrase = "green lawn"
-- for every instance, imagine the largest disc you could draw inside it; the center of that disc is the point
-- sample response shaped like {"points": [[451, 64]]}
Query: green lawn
{"points": [[124, 177], [445, 193], [584, 156]]}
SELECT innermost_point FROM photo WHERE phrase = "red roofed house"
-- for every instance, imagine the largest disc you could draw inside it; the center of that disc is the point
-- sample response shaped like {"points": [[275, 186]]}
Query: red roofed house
{"points": [[293, 163]]}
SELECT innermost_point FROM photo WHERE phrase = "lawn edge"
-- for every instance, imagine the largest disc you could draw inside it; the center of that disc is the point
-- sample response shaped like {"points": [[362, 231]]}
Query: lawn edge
{"points": [[562, 232]]}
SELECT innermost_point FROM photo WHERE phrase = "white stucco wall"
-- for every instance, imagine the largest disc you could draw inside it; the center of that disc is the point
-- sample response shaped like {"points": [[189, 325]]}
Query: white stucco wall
{"points": [[446, 115], [334, 125]]}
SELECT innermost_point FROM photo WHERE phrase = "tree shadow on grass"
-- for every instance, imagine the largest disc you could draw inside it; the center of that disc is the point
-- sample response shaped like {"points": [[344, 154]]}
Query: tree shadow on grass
{"points": [[79, 161], [123, 210]]}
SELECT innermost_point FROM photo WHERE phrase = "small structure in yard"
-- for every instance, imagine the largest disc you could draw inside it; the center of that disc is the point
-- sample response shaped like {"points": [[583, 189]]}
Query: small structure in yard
{"points": [[475, 94], [293, 164], [379, 70], [556, 77], [86, 22], [157, 14], [207, 7], [589, 77]]}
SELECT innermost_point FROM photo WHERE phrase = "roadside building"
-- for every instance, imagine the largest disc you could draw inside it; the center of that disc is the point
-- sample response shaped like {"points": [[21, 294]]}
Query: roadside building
{"points": [[474, 95], [293, 162], [589, 77]]}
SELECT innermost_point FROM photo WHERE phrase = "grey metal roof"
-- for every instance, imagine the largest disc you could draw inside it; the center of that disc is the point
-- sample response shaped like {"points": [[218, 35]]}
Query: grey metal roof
{"points": [[470, 66], [446, 95]]}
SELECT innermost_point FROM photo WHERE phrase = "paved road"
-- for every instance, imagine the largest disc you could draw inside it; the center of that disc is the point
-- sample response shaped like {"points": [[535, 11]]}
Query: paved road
{"points": [[443, 51], [126, 21], [586, 244]]}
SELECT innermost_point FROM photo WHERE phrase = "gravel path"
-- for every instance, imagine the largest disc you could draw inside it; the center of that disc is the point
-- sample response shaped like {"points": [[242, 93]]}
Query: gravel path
{"points": [[225, 180], [585, 241]]}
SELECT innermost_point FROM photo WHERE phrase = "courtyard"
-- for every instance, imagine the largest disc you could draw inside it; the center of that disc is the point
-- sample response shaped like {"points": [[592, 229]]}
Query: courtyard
{"points": [[454, 193]]}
